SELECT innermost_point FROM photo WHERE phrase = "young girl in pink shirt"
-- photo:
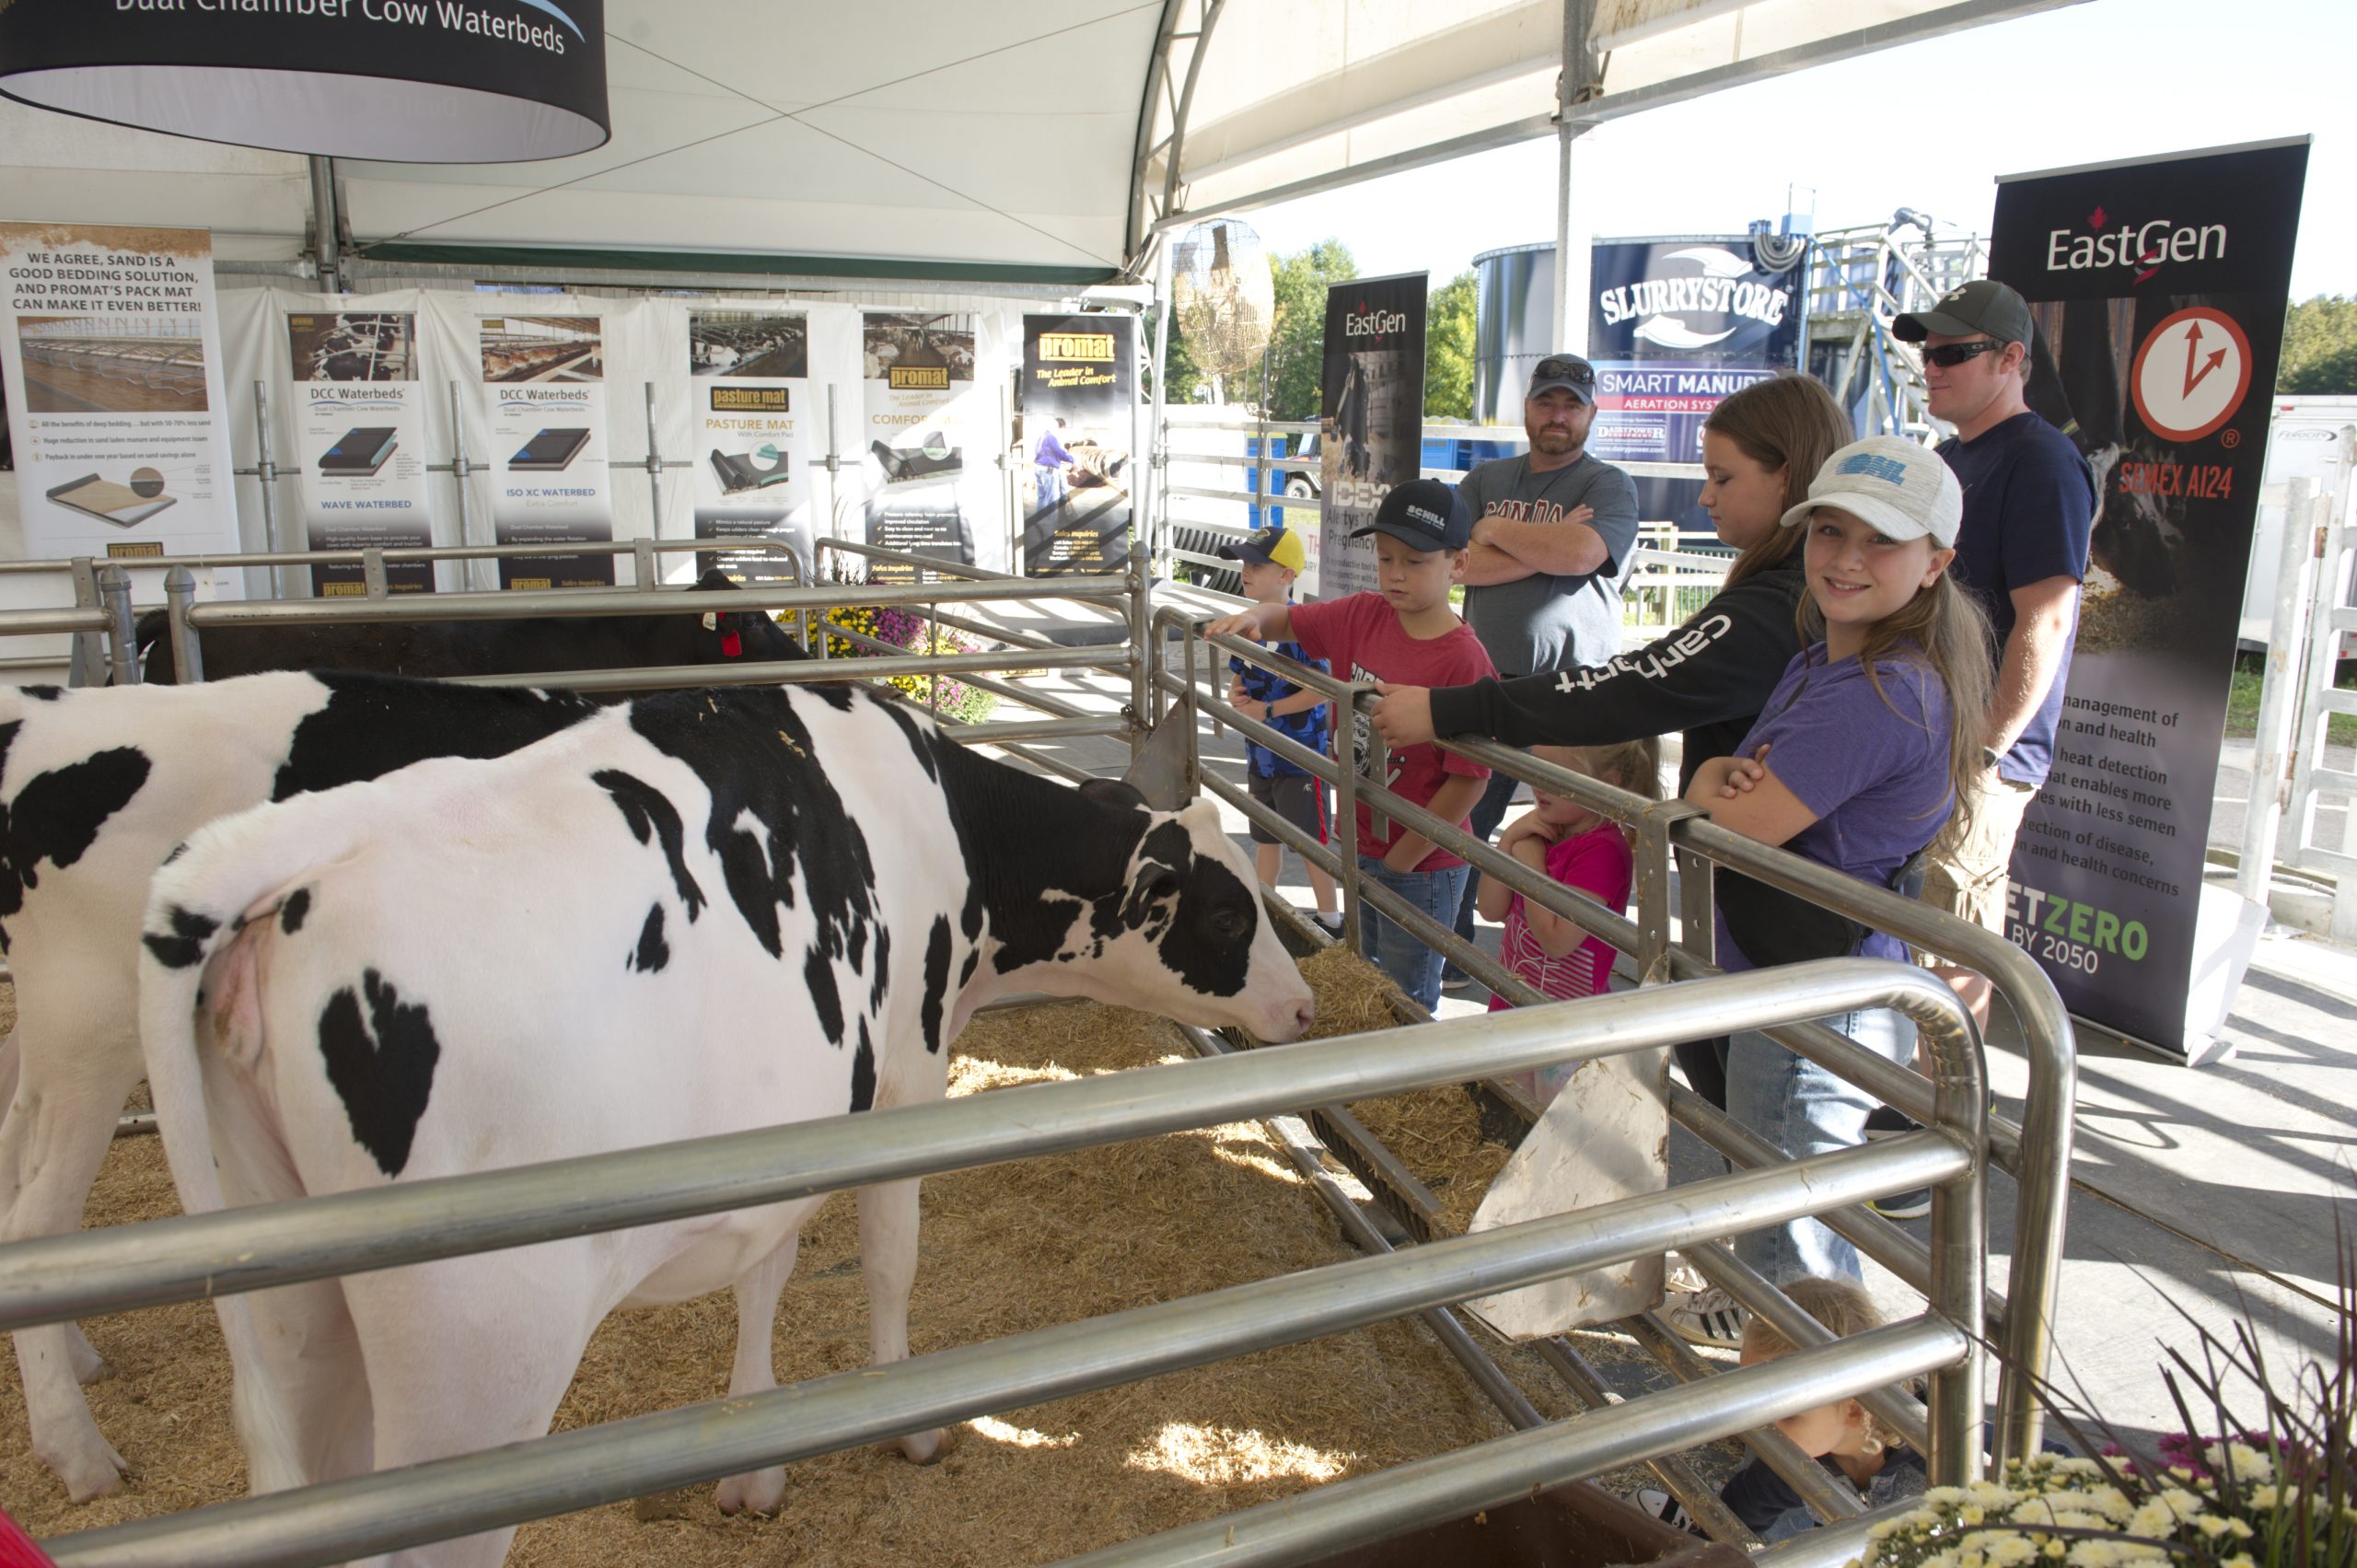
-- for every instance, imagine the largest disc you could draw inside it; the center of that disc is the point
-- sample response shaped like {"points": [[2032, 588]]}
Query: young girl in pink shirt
{"points": [[1580, 849]]}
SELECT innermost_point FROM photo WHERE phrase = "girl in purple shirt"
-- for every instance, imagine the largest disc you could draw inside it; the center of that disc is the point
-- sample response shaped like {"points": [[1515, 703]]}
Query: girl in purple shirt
{"points": [[1868, 748]]}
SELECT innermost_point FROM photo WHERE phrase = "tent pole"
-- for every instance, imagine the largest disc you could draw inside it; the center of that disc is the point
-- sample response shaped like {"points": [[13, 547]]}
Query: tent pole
{"points": [[1574, 87], [323, 226], [1158, 520]]}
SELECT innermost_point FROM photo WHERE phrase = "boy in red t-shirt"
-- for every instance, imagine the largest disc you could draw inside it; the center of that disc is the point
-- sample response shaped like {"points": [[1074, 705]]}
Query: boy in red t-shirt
{"points": [[1402, 630]]}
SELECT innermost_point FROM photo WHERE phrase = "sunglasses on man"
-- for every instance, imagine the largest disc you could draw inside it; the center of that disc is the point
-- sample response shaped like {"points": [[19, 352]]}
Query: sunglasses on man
{"points": [[1947, 356], [1564, 370]]}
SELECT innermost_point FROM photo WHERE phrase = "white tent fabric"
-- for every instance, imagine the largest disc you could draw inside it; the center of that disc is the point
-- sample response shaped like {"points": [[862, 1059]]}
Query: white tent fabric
{"points": [[965, 139]]}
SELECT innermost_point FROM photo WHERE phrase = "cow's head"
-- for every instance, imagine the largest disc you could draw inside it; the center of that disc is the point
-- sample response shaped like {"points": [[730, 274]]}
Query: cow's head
{"points": [[740, 634], [1185, 934]]}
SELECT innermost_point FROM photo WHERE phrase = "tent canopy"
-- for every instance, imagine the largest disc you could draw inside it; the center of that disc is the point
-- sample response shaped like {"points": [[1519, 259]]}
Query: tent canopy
{"points": [[1048, 142]]}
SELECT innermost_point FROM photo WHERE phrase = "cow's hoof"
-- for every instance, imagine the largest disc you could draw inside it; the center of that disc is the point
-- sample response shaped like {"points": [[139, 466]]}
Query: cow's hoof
{"points": [[755, 1491], [90, 1366], [924, 1448], [88, 1472]]}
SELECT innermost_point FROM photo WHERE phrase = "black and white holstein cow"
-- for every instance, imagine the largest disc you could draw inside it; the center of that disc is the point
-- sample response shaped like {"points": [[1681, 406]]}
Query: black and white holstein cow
{"points": [[96, 787], [687, 916]]}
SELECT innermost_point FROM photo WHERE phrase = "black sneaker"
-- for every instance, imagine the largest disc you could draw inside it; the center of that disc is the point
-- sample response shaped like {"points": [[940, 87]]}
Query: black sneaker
{"points": [[1913, 1204], [1456, 981], [1665, 1508], [1328, 921]]}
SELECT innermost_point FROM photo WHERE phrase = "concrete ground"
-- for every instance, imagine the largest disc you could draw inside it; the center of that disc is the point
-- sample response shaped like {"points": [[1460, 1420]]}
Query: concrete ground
{"points": [[2201, 1196]]}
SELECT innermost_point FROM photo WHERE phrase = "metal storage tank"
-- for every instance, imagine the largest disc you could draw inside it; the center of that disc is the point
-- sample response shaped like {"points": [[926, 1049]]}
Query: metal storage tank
{"points": [[1513, 326]]}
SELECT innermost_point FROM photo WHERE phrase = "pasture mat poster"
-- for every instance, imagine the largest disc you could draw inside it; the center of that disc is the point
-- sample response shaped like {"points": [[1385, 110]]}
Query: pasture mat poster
{"points": [[1370, 422], [110, 346], [1079, 386], [2158, 290], [919, 400], [1675, 326], [748, 391], [359, 445], [544, 395]]}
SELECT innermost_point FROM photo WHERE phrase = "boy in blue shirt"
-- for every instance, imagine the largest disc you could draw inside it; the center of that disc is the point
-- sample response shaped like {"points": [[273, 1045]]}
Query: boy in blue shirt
{"points": [[1271, 560]]}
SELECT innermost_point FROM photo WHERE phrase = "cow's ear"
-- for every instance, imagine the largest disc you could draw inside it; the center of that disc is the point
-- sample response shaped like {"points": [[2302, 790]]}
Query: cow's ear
{"points": [[1114, 792], [1159, 770], [715, 579]]}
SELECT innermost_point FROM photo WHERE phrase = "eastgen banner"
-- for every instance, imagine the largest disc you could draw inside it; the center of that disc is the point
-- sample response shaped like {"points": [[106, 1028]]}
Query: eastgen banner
{"points": [[2159, 289], [1370, 421]]}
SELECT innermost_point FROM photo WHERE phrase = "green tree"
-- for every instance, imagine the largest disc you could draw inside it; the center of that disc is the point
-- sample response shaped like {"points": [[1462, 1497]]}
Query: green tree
{"points": [[1448, 350], [1298, 340], [2319, 346], [1185, 376]]}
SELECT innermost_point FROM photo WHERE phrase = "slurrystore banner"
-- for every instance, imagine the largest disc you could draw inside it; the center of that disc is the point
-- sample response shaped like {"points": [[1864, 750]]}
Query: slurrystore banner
{"points": [[111, 344], [545, 394], [1370, 422], [749, 389], [919, 380], [360, 445], [2159, 288], [1677, 325], [1077, 392]]}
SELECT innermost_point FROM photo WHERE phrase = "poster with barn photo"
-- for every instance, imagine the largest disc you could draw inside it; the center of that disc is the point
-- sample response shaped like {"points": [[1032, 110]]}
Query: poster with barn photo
{"points": [[543, 388], [748, 385], [360, 473], [920, 418]]}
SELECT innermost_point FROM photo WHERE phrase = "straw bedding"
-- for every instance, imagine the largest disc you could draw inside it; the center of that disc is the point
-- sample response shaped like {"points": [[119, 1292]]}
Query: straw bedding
{"points": [[1004, 1249]]}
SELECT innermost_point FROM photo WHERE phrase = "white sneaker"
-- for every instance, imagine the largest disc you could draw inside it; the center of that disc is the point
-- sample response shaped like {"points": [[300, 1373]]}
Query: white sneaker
{"points": [[1684, 1277], [1665, 1508], [1708, 1318]]}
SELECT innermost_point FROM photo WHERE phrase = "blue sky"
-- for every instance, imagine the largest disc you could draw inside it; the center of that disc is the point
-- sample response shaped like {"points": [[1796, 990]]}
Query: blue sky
{"points": [[1928, 126]]}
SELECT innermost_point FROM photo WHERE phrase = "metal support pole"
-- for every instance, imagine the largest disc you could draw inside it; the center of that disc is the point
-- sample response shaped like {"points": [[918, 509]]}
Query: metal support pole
{"points": [[372, 574], [1573, 86], [654, 463], [122, 635], [1157, 507], [459, 469], [325, 241], [834, 467], [88, 653], [180, 596], [1142, 636], [266, 473], [1652, 889]]}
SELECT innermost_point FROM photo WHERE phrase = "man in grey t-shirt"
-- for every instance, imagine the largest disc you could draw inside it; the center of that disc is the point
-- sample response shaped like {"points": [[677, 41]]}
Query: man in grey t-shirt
{"points": [[1553, 533]]}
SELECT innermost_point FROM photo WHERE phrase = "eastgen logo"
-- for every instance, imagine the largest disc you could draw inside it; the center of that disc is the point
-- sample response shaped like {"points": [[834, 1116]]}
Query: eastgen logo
{"points": [[2143, 245], [1366, 323]]}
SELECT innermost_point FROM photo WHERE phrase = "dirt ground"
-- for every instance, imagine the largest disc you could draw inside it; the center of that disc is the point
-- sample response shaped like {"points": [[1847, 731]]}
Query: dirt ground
{"points": [[1004, 1250]]}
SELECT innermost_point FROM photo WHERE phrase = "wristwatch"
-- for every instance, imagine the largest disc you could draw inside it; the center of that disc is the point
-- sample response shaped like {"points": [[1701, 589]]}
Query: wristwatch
{"points": [[1267, 713]]}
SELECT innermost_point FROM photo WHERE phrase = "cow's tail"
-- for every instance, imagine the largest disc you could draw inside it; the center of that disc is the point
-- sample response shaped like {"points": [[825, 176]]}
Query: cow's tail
{"points": [[211, 912]]}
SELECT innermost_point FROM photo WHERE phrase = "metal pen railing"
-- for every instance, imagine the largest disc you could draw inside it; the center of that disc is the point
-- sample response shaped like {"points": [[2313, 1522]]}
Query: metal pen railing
{"points": [[258, 1247], [2035, 1151]]}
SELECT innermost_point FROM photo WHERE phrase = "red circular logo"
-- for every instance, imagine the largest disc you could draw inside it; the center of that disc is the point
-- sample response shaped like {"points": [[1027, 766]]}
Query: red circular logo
{"points": [[2192, 373]]}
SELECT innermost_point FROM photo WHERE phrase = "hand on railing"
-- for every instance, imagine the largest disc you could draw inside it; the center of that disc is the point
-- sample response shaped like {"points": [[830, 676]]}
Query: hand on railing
{"points": [[1243, 623], [1403, 714]]}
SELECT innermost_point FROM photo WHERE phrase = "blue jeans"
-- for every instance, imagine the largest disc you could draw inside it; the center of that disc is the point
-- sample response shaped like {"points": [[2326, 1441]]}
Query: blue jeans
{"points": [[1052, 487], [1414, 967], [1483, 819], [1803, 1109]]}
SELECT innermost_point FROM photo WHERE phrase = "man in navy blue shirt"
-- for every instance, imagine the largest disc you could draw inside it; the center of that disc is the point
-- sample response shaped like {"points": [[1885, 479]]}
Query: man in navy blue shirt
{"points": [[2029, 504]]}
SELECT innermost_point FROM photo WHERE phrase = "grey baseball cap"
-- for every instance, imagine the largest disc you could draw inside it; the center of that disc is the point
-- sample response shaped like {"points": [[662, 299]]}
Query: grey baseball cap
{"points": [[1567, 371], [1984, 305]]}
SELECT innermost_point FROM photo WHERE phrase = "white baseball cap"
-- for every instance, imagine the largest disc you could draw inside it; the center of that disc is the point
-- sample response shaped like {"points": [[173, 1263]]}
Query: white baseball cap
{"points": [[1904, 490]]}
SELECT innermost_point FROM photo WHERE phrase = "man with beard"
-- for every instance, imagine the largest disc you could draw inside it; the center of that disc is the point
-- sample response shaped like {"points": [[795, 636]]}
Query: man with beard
{"points": [[1553, 533]]}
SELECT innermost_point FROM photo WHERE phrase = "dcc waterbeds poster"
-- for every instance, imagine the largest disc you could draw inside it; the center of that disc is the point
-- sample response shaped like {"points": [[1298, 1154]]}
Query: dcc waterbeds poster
{"points": [[1078, 390], [2158, 287], [748, 389], [1370, 421], [544, 382], [360, 443], [110, 346], [919, 384], [1677, 325]]}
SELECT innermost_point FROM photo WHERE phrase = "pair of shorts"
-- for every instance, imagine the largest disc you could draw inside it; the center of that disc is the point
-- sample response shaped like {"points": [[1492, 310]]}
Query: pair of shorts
{"points": [[1969, 880], [1299, 799]]}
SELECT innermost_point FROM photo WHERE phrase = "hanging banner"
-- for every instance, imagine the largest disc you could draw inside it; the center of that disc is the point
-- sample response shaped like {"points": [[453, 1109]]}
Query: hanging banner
{"points": [[111, 345], [544, 392], [1370, 420], [1079, 393], [1676, 325], [919, 380], [2159, 288], [359, 445], [748, 385]]}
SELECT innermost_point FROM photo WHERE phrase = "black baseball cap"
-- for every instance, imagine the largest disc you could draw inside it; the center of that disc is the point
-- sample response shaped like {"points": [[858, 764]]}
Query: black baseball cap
{"points": [[1422, 514], [1984, 305], [1568, 371]]}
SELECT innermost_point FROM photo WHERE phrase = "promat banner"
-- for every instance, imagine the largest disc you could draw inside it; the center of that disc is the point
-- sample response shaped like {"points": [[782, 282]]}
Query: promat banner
{"points": [[1370, 421], [360, 443], [2158, 287], [111, 345], [1078, 398], [1677, 325]]}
